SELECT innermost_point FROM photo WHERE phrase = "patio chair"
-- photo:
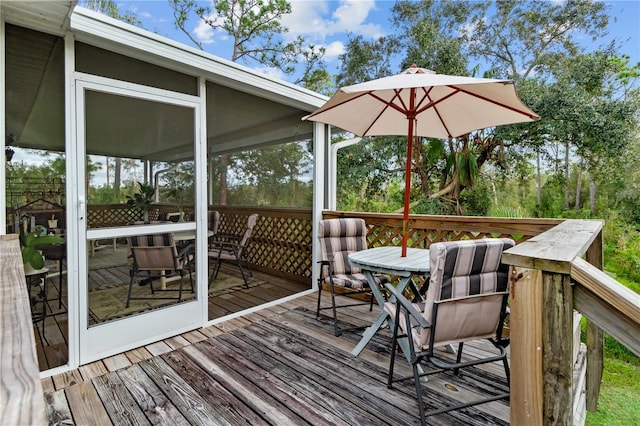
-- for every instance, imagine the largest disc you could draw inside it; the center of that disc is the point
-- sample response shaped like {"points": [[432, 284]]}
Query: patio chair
{"points": [[213, 222], [466, 300], [157, 257], [232, 248], [338, 238]]}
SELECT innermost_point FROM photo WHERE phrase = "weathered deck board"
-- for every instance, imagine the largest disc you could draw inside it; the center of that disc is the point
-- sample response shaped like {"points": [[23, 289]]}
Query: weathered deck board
{"points": [[280, 367], [151, 400], [20, 387], [85, 404], [120, 404]]}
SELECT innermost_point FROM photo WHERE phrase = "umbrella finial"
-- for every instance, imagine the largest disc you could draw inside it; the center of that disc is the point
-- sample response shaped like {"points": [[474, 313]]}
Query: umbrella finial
{"points": [[414, 69]]}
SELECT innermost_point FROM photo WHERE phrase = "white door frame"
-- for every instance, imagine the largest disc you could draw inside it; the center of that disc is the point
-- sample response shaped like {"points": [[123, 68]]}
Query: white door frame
{"points": [[117, 336]]}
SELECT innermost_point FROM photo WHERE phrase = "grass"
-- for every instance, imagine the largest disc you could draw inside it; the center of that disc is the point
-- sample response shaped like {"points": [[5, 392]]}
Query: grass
{"points": [[619, 402]]}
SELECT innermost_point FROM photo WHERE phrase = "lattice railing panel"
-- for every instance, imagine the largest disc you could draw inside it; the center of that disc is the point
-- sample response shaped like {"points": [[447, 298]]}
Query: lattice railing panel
{"points": [[423, 230], [282, 239]]}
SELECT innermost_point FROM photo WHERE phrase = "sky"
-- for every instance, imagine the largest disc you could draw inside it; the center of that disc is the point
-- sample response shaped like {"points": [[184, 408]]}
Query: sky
{"points": [[328, 23]]}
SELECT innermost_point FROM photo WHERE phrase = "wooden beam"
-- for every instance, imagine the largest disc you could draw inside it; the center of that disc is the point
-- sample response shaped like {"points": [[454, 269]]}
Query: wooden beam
{"points": [[525, 323], [21, 396], [557, 348], [555, 249], [595, 337]]}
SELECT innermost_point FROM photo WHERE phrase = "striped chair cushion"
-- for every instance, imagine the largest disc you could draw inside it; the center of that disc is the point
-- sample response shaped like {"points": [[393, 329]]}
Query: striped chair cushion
{"points": [[355, 281], [468, 283], [156, 252], [338, 238]]}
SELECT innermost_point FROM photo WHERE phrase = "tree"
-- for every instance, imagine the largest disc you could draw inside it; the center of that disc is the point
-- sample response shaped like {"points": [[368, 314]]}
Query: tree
{"points": [[256, 33], [110, 8], [442, 35]]}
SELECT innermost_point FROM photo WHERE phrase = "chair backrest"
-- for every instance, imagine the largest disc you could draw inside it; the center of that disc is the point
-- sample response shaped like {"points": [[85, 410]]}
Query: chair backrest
{"points": [[155, 252], [174, 217], [213, 221], [467, 290], [340, 237], [251, 223]]}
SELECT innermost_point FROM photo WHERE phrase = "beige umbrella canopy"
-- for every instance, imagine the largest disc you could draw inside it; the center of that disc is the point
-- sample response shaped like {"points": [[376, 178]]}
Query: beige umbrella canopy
{"points": [[419, 102]]}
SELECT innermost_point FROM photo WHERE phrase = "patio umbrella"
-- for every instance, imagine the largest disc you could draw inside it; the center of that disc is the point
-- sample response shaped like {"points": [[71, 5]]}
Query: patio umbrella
{"points": [[419, 102]]}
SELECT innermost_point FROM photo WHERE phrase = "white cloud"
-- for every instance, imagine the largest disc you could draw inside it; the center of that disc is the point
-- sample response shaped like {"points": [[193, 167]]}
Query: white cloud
{"points": [[270, 72], [203, 33], [313, 19], [333, 50], [206, 34]]}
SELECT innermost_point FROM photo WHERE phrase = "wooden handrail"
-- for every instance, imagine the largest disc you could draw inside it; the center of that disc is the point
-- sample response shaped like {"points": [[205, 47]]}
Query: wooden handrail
{"points": [[548, 273], [554, 250], [21, 394], [611, 305]]}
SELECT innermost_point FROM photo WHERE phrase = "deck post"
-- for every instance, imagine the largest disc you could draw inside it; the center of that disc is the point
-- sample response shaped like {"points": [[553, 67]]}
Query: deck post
{"points": [[595, 337], [525, 323], [557, 348]]}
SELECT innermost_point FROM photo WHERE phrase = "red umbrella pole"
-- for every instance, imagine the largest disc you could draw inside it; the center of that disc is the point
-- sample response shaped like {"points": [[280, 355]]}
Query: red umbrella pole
{"points": [[407, 188]]}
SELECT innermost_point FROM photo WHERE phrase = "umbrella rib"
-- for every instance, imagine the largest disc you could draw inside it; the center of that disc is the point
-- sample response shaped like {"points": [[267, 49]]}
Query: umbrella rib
{"points": [[387, 104], [433, 104], [390, 103], [320, 111], [484, 98]]}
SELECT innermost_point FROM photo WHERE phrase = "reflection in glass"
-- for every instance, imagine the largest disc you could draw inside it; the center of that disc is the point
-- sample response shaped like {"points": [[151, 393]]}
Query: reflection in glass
{"points": [[152, 267]]}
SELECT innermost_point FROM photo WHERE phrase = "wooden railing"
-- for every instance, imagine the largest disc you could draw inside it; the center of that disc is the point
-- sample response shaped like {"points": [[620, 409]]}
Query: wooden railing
{"points": [[281, 243], [21, 397], [549, 280]]}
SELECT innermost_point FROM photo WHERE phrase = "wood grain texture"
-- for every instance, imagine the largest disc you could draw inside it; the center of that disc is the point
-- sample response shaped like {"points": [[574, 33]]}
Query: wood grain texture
{"points": [[595, 337], [285, 368], [557, 350], [555, 249], [606, 288], [21, 395], [85, 405], [525, 323]]}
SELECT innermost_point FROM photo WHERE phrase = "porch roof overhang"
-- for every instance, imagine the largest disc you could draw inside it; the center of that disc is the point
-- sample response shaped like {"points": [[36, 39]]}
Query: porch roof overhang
{"points": [[245, 109]]}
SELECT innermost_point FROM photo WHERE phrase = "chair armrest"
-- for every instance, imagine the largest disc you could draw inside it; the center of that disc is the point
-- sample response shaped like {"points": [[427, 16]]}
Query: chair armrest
{"points": [[184, 251], [222, 236], [407, 306], [328, 264]]}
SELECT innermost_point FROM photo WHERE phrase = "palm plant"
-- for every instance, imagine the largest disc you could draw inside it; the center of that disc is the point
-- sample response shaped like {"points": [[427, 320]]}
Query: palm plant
{"points": [[143, 199]]}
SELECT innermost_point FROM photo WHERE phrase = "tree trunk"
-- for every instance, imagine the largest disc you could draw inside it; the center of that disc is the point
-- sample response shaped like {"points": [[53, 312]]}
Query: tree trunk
{"points": [[116, 177], [592, 194], [566, 175], [578, 188], [539, 178]]}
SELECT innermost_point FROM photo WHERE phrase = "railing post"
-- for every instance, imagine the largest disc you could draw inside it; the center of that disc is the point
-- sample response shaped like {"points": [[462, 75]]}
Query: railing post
{"points": [[552, 254], [557, 349], [595, 337], [525, 324]]}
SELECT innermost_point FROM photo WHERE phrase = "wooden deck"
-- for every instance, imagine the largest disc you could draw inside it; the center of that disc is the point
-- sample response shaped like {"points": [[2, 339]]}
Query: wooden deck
{"points": [[278, 366], [53, 351]]}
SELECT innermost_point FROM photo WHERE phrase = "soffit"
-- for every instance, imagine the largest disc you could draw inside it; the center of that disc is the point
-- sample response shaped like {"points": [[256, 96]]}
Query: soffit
{"points": [[48, 16], [244, 109]]}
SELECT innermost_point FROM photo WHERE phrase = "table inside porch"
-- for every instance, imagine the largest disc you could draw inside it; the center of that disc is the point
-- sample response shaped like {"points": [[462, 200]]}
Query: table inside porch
{"points": [[388, 260]]}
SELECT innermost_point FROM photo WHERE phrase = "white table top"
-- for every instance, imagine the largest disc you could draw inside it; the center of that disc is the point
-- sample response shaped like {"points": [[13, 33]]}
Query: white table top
{"points": [[31, 272], [416, 261], [187, 235]]}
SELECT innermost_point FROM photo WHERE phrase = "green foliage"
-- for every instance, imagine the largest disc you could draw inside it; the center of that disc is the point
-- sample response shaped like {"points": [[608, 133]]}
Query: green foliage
{"points": [[255, 28], [144, 198], [476, 200], [32, 241], [110, 8]]}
